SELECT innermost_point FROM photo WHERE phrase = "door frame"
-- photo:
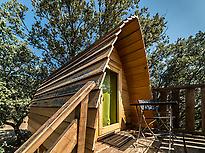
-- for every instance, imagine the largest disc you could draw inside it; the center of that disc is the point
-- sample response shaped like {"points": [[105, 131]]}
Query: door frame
{"points": [[116, 126]]}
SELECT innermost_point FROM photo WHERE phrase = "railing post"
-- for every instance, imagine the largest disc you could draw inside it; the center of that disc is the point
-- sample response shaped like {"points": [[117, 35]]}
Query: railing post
{"points": [[189, 109], [82, 125], [203, 108], [176, 97]]}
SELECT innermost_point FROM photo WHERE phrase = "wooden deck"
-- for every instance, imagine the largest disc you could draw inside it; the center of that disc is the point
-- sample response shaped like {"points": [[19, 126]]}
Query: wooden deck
{"points": [[126, 142], [123, 141]]}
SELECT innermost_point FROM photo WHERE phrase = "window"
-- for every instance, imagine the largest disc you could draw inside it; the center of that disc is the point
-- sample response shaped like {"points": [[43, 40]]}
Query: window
{"points": [[110, 98]]}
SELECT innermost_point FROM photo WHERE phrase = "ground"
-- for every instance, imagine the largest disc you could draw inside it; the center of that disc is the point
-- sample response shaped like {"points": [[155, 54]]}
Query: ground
{"points": [[8, 138]]}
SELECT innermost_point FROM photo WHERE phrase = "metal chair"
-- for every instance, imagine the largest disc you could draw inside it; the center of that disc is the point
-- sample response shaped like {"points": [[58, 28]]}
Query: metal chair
{"points": [[165, 118]]}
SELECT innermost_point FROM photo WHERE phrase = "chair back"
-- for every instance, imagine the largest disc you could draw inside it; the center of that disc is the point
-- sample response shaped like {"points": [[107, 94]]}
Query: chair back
{"points": [[148, 107]]}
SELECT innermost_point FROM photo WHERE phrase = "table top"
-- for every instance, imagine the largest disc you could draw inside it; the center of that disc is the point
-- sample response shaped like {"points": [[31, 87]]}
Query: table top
{"points": [[156, 103]]}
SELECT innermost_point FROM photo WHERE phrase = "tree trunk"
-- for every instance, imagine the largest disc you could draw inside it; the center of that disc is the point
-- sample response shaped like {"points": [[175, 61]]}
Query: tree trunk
{"points": [[19, 137]]}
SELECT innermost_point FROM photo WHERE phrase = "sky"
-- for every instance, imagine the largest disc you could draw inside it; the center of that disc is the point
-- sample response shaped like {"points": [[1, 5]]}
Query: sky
{"points": [[184, 17]]}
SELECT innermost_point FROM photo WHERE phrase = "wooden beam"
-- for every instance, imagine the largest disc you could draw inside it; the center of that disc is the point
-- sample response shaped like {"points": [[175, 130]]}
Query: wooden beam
{"points": [[128, 29], [192, 86], [203, 108], [82, 125], [49, 126], [67, 140], [189, 109]]}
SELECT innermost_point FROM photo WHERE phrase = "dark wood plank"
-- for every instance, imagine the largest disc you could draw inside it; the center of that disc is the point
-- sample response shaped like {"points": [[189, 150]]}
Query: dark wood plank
{"points": [[94, 60], [85, 74], [83, 57], [125, 50], [58, 98], [189, 111], [203, 108], [131, 38], [176, 97], [163, 97]]}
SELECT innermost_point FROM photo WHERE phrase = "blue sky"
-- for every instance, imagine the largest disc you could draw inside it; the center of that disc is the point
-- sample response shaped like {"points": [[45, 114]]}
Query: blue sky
{"points": [[184, 17]]}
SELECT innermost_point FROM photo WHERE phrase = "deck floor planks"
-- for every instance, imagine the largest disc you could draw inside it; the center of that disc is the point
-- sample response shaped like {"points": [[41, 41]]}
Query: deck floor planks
{"points": [[111, 144], [120, 142]]}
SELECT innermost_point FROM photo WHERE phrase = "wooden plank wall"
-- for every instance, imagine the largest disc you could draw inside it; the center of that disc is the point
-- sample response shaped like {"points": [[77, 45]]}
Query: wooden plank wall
{"points": [[124, 107], [130, 46], [131, 49], [39, 115], [55, 91]]}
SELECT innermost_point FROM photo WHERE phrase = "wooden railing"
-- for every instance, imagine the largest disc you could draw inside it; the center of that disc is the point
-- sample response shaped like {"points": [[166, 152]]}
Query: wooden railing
{"points": [[186, 96], [73, 135]]}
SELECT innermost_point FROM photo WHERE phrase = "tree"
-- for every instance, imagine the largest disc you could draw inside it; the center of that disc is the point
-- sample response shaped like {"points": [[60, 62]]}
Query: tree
{"points": [[153, 28], [20, 70], [179, 63], [64, 28], [12, 112], [182, 62]]}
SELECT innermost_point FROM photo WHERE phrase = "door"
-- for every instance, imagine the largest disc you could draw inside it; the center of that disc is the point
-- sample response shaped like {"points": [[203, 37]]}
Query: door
{"points": [[110, 99]]}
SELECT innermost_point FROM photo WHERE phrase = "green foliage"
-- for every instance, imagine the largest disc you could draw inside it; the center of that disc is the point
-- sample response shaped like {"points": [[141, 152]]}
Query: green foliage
{"points": [[64, 28], [1, 150], [11, 111], [153, 28], [109, 13], [182, 62], [20, 70], [60, 30]]}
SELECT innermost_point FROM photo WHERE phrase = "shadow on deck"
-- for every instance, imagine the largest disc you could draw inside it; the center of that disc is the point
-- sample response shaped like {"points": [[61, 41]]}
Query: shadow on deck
{"points": [[126, 141]]}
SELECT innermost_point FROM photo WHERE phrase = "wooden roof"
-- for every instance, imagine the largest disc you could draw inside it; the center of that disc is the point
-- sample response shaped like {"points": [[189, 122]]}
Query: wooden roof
{"points": [[91, 65]]}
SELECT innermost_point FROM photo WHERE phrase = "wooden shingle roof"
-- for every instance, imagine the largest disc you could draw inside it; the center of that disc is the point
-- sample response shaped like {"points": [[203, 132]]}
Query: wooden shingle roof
{"points": [[91, 65]]}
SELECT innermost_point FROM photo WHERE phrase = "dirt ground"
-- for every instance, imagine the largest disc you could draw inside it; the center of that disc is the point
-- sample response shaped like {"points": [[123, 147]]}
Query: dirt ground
{"points": [[23, 126]]}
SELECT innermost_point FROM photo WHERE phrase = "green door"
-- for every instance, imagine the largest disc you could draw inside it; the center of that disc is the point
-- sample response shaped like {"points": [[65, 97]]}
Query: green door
{"points": [[110, 98]]}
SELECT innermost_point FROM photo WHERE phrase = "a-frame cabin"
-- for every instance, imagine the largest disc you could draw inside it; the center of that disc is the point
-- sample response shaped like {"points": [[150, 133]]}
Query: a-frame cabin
{"points": [[117, 64]]}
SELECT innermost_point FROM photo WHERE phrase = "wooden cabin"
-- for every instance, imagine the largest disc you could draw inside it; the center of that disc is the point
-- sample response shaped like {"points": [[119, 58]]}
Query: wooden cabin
{"points": [[117, 64]]}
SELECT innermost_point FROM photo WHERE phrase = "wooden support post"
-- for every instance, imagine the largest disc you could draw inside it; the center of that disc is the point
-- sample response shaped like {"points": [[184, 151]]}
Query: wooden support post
{"points": [[82, 125], [176, 97], [189, 111], [203, 108]]}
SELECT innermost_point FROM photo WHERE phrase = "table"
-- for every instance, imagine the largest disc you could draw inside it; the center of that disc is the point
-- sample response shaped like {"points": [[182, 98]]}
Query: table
{"points": [[156, 103]]}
